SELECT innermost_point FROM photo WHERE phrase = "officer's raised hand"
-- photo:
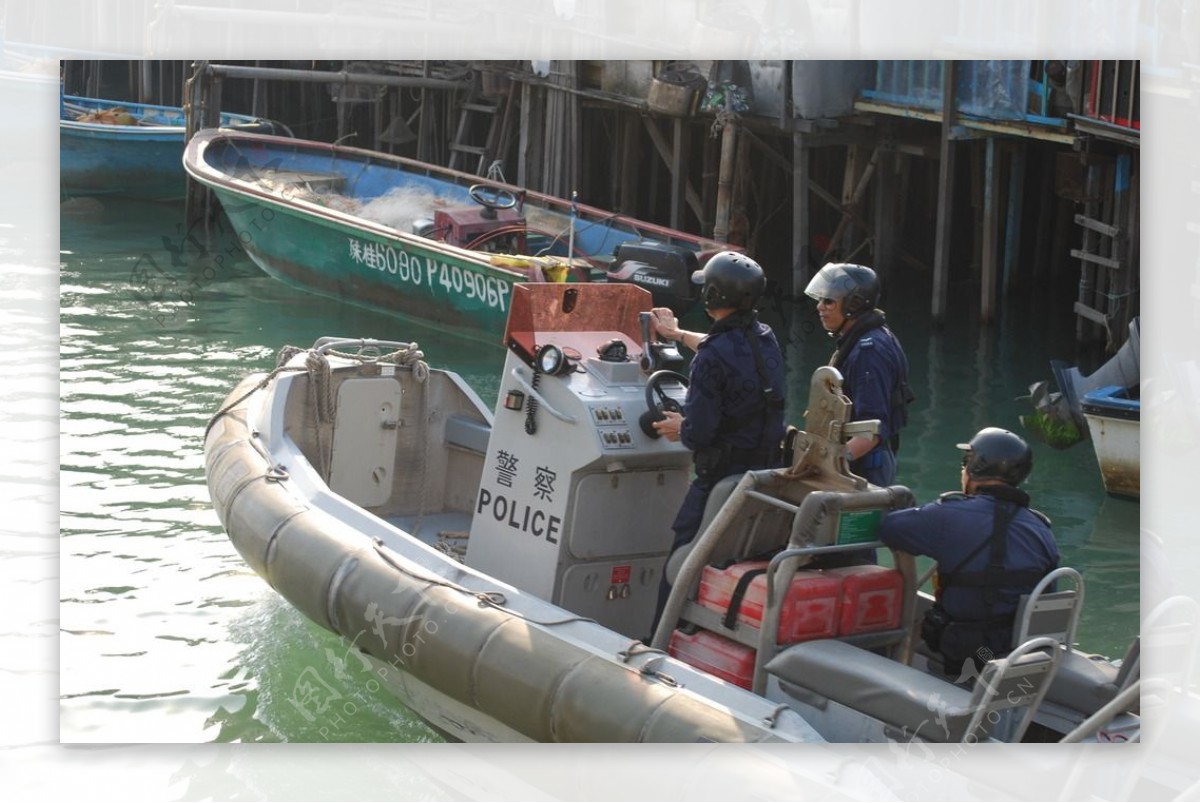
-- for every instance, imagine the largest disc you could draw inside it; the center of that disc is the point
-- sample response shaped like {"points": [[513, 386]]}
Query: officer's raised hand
{"points": [[666, 325]]}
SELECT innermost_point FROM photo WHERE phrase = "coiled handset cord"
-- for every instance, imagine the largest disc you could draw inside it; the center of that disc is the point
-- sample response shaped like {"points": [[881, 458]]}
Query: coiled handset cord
{"points": [[531, 404]]}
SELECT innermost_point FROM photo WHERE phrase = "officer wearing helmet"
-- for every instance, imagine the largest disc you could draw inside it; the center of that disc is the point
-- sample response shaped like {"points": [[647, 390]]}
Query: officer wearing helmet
{"points": [[990, 547], [733, 414], [873, 365]]}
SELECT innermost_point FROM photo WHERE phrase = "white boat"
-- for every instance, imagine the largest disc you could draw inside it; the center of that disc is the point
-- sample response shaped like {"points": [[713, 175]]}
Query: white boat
{"points": [[500, 569], [1113, 414]]}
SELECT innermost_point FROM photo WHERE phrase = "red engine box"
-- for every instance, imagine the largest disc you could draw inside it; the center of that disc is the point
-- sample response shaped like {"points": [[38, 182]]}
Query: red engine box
{"points": [[871, 599], [810, 609], [714, 654]]}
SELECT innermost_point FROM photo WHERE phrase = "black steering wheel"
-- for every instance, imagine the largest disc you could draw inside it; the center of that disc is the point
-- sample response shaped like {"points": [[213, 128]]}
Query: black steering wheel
{"points": [[658, 402], [492, 197]]}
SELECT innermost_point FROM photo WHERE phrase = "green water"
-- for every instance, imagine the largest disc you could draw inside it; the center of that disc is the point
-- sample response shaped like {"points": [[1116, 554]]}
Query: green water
{"points": [[166, 635]]}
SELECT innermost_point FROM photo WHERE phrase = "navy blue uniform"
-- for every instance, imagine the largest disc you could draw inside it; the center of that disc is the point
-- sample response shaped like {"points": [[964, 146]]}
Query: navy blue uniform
{"points": [[871, 375], [725, 408], [955, 531]]}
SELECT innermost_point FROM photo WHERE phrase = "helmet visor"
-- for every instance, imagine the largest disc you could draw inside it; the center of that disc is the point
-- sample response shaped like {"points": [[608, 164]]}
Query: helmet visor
{"points": [[831, 281]]}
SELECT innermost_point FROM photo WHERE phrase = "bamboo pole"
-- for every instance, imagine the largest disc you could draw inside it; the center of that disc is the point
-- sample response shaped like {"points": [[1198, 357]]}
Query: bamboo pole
{"points": [[725, 178]]}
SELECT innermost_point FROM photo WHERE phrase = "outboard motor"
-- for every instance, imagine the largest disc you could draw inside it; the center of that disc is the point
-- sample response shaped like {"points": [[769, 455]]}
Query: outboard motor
{"points": [[665, 270]]}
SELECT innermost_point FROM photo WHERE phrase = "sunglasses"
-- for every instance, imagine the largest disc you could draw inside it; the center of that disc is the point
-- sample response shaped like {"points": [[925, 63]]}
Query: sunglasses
{"points": [[966, 459]]}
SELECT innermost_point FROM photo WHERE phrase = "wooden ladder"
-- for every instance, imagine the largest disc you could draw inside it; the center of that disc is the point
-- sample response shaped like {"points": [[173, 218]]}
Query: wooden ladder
{"points": [[1108, 252], [496, 142]]}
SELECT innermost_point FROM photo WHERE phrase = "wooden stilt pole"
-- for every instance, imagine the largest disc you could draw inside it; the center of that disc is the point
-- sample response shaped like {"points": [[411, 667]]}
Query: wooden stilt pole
{"points": [[800, 212], [725, 178], [679, 162], [1016, 206], [991, 231], [941, 253]]}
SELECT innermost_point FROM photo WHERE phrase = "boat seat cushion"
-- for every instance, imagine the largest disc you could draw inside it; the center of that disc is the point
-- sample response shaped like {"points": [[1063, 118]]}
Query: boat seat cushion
{"points": [[1082, 683], [898, 695]]}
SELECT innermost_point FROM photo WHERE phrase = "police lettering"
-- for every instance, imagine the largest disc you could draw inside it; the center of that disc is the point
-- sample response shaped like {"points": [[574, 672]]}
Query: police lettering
{"points": [[520, 517]]}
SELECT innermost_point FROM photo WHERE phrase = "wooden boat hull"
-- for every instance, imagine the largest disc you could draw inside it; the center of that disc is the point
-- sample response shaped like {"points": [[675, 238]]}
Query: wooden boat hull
{"points": [[323, 241], [369, 267]]}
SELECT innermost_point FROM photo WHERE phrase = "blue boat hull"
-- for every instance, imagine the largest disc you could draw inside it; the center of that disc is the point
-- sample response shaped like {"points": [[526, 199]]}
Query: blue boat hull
{"points": [[142, 161]]}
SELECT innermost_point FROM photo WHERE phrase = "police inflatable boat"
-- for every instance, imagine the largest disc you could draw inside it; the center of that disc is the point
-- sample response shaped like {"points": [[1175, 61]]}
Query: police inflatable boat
{"points": [[501, 569]]}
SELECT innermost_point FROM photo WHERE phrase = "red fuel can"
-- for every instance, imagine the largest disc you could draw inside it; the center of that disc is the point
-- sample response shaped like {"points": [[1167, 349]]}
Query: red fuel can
{"points": [[810, 608], [714, 654], [872, 598]]}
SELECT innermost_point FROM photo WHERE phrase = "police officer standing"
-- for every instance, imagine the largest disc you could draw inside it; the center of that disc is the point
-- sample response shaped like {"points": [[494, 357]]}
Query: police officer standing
{"points": [[871, 361], [990, 546], [733, 414]]}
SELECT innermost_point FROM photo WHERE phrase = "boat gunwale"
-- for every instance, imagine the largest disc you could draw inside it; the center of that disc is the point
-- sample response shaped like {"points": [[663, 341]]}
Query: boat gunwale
{"points": [[201, 170], [140, 130]]}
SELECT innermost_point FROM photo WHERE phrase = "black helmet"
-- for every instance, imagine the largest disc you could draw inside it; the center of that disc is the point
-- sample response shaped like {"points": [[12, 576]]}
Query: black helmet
{"points": [[996, 453], [857, 284], [731, 281]]}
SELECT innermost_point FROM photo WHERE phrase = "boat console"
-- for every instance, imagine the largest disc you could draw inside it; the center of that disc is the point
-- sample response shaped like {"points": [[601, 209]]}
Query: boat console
{"points": [[577, 500]]}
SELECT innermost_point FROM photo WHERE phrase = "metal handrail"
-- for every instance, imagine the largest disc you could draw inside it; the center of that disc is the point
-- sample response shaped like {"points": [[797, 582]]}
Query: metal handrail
{"points": [[1104, 714]]}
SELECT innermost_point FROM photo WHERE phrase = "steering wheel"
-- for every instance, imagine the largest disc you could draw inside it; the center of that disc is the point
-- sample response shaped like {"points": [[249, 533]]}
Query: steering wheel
{"points": [[664, 403], [492, 197]]}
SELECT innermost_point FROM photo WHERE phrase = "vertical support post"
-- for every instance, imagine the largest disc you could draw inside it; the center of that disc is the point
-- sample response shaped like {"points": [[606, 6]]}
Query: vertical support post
{"points": [[941, 252], [739, 221], [800, 212], [991, 232], [843, 236], [195, 103], [426, 118], [629, 159], [679, 161], [93, 83], [708, 182], [146, 86], [725, 179], [529, 148], [1016, 204], [885, 211], [1047, 206]]}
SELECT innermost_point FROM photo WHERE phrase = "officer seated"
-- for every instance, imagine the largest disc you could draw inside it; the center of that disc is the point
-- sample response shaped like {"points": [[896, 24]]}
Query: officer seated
{"points": [[990, 547]]}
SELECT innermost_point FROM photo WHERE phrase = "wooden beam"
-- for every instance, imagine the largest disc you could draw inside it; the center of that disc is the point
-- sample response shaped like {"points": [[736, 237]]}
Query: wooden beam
{"points": [[627, 190], [991, 232], [664, 153], [679, 176], [1016, 206], [800, 212], [1097, 226], [885, 201], [942, 238], [725, 179]]}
